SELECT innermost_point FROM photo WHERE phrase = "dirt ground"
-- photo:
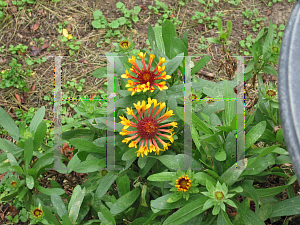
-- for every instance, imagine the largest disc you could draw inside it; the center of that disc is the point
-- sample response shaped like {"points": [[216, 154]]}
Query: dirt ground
{"points": [[23, 26]]}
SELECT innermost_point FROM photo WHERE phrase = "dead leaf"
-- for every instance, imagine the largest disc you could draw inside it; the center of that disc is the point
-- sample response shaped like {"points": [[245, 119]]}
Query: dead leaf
{"points": [[69, 29], [33, 87], [18, 97], [84, 61], [13, 9], [40, 12], [35, 27], [269, 12], [142, 7], [44, 46], [200, 27], [34, 51], [2, 60]]}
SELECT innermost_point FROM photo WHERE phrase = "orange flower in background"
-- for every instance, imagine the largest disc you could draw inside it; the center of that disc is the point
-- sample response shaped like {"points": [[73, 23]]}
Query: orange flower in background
{"points": [[145, 80], [148, 127]]}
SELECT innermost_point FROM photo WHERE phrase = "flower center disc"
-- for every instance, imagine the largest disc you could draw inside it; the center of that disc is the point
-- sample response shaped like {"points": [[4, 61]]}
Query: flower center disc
{"points": [[219, 195], [183, 183], [271, 93], [146, 76], [147, 127]]}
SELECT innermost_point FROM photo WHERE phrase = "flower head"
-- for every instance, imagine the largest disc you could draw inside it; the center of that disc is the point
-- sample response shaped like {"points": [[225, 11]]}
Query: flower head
{"points": [[37, 212], [125, 44], [145, 78], [270, 93], [218, 196], [184, 185], [147, 127]]}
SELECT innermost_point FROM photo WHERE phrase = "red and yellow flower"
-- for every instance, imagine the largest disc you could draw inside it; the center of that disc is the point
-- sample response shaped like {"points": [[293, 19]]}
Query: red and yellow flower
{"points": [[183, 183], [37, 212], [148, 127], [145, 80]]}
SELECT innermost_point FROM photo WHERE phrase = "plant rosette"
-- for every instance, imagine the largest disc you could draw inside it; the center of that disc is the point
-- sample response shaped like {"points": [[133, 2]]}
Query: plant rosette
{"points": [[270, 93], [124, 45], [13, 183], [36, 215], [218, 195], [185, 185]]}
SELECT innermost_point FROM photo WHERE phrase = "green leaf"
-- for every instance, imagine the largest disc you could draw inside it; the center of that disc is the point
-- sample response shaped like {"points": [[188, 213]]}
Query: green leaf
{"points": [[105, 184], [89, 166], [12, 160], [185, 39], [199, 124], [105, 216], [38, 117], [9, 125], [231, 175], [266, 151], [158, 39], [213, 40], [59, 205], [74, 210], [265, 211], [223, 218], [179, 47], [241, 212], [220, 26], [87, 146], [123, 184], [49, 191], [196, 138], [288, 207], [230, 105], [45, 160], [174, 197], [201, 177], [129, 154], [229, 27], [251, 192], [39, 135], [220, 155], [100, 72], [28, 152], [269, 192], [260, 165], [29, 181], [76, 192], [125, 201], [168, 34], [169, 161], [164, 176], [151, 36], [173, 64], [201, 63], [270, 70], [66, 220], [254, 134], [249, 67], [10, 147], [187, 212], [252, 218]]}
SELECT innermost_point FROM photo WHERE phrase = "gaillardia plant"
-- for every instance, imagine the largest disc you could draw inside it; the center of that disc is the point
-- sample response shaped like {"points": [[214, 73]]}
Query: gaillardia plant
{"points": [[145, 80], [185, 184], [148, 127], [218, 196]]}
